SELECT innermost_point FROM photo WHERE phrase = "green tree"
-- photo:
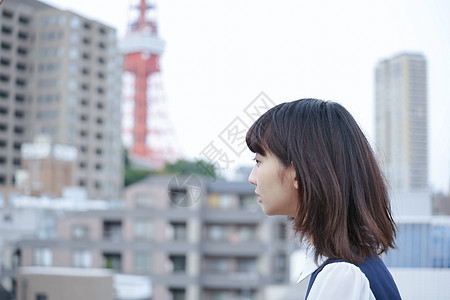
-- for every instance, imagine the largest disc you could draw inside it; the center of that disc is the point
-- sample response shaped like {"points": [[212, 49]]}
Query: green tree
{"points": [[182, 166]]}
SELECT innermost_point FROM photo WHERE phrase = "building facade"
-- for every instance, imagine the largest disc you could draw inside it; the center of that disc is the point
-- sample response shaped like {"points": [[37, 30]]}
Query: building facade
{"points": [[401, 120], [15, 47], [69, 84], [208, 240]]}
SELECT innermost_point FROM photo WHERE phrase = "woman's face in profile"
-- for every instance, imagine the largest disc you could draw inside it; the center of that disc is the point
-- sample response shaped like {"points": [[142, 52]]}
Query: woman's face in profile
{"points": [[275, 185]]}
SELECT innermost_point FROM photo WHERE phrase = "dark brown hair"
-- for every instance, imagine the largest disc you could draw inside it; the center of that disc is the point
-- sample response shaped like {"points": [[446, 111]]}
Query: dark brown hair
{"points": [[344, 209]]}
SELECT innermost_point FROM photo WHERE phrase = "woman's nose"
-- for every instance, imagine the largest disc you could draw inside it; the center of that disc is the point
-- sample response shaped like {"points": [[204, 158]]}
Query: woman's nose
{"points": [[252, 177]]}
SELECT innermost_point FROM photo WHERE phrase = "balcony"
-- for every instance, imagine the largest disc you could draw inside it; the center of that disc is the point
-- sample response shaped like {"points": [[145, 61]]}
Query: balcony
{"points": [[231, 280], [232, 216], [246, 248]]}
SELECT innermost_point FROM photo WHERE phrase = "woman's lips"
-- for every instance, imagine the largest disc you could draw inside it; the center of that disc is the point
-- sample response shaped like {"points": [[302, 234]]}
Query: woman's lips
{"points": [[259, 197]]}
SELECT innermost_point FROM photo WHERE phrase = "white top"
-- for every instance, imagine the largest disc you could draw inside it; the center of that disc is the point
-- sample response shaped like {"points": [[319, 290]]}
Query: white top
{"points": [[339, 280]]}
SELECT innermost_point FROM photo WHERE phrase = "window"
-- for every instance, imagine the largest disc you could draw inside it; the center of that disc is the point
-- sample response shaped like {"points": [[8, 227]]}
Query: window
{"points": [[20, 98], [246, 265], [6, 29], [75, 22], [178, 263], [282, 231], [219, 265], [43, 257], [41, 296], [144, 201], [143, 229], [73, 53], [22, 51], [112, 230], [24, 20], [22, 35], [142, 262], [217, 232], [20, 82], [6, 46], [179, 230], [21, 66], [4, 94], [19, 114], [112, 261], [249, 203], [280, 263], [80, 232], [4, 78], [222, 201], [5, 62], [18, 130], [178, 293], [247, 232], [7, 14], [82, 259], [74, 37]]}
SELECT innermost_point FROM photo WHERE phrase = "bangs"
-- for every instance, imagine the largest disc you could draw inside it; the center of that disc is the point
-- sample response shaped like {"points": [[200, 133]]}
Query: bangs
{"points": [[257, 135]]}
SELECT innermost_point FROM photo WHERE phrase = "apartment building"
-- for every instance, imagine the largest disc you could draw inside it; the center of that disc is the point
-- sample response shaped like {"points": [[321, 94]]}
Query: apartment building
{"points": [[66, 80], [15, 47], [401, 120], [219, 246]]}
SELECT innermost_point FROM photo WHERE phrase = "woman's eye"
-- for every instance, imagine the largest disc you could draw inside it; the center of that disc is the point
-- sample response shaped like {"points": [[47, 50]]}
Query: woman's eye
{"points": [[257, 161]]}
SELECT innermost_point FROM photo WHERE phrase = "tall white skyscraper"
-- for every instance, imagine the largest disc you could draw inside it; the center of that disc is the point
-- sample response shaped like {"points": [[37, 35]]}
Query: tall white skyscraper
{"points": [[401, 121]]}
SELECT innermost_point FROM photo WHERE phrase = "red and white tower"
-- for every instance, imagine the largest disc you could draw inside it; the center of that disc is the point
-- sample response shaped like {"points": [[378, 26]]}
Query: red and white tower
{"points": [[146, 130]]}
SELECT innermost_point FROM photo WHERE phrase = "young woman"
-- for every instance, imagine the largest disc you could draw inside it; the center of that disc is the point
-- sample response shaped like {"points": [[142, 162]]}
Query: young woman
{"points": [[314, 164]]}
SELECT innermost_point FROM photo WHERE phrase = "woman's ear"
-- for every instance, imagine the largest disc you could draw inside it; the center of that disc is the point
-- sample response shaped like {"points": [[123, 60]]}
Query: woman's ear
{"points": [[294, 176]]}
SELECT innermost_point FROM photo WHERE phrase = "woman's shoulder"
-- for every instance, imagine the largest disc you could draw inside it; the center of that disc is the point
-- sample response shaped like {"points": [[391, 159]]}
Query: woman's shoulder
{"points": [[341, 280]]}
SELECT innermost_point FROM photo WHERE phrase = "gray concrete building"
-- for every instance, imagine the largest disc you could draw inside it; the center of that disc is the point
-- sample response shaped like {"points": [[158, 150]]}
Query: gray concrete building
{"points": [[15, 47], [401, 120], [60, 75], [194, 238]]}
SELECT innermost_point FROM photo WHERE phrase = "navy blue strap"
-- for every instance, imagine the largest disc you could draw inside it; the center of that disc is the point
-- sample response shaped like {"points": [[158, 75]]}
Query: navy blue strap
{"points": [[380, 279]]}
